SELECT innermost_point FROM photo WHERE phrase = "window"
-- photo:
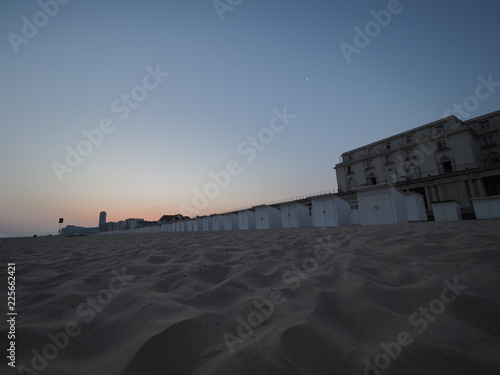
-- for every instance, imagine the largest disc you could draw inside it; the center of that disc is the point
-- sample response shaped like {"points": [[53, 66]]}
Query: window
{"points": [[446, 164], [391, 176], [408, 154], [409, 138], [488, 140], [372, 180], [492, 159], [439, 129], [414, 172], [349, 157], [369, 164], [388, 145], [370, 151], [348, 170], [351, 184], [441, 145], [354, 206], [483, 125], [387, 158]]}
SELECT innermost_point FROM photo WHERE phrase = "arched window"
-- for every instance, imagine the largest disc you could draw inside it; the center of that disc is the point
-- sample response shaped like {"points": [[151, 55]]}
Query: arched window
{"points": [[446, 164], [351, 184], [372, 180], [492, 158], [391, 176], [414, 172]]}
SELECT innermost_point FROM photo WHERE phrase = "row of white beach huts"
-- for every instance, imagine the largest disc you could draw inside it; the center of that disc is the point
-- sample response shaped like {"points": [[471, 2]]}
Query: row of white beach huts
{"points": [[378, 204]]}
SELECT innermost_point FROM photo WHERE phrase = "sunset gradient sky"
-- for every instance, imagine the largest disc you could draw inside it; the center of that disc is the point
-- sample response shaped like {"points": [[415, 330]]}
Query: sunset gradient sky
{"points": [[228, 74]]}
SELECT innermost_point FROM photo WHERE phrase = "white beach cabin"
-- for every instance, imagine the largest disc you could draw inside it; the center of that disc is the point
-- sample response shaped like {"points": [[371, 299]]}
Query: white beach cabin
{"points": [[246, 220], [217, 222], [415, 206], [230, 221], [177, 226], [487, 207], [355, 215], [197, 225], [381, 204], [330, 212], [446, 211], [185, 224], [206, 222], [294, 215], [267, 217]]}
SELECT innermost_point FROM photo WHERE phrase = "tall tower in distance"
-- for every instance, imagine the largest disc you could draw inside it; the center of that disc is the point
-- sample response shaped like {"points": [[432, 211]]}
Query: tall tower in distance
{"points": [[102, 221]]}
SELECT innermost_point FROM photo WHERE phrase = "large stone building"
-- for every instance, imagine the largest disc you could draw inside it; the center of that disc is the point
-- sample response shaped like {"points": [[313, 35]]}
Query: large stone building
{"points": [[448, 159]]}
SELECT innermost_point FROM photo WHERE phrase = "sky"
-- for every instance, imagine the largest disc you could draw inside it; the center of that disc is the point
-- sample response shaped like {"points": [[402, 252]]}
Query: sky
{"points": [[145, 108]]}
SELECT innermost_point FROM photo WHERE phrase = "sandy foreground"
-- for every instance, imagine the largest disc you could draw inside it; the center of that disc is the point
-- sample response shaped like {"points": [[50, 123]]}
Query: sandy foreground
{"points": [[419, 298]]}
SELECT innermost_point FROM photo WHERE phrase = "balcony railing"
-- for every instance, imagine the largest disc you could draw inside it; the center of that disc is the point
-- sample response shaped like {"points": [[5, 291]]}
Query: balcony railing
{"points": [[490, 128], [452, 168], [440, 172], [443, 149], [489, 145], [301, 197]]}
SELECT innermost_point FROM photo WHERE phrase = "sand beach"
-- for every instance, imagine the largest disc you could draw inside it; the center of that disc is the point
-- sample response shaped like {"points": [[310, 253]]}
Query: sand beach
{"points": [[418, 298]]}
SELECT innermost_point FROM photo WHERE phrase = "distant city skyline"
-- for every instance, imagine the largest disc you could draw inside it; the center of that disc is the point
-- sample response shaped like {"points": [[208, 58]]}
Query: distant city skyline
{"points": [[134, 108]]}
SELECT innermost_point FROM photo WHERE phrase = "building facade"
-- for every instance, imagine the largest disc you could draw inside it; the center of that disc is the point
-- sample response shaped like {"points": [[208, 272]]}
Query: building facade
{"points": [[102, 221], [133, 223], [69, 230], [448, 159]]}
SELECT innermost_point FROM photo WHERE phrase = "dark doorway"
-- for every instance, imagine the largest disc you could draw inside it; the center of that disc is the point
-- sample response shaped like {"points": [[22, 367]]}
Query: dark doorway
{"points": [[492, 185], [447, 165]]}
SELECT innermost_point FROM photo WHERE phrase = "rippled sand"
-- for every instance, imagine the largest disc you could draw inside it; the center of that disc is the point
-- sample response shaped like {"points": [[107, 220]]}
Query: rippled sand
{"points": [[294, 301]]}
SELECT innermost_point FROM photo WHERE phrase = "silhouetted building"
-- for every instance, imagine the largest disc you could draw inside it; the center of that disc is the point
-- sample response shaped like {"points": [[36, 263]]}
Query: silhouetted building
{"points": [[132, 223], [69, 230], [171, 218], [102, 222]]}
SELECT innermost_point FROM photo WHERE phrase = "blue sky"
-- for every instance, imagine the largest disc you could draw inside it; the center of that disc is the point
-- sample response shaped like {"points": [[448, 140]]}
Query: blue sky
{"points": [[225, 79]]}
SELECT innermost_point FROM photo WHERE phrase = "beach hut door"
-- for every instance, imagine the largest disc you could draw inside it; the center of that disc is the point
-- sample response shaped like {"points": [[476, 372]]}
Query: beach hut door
{"points": [[382, 207], [325, 214], [244, 221], [285, 217], [263, 220]]}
